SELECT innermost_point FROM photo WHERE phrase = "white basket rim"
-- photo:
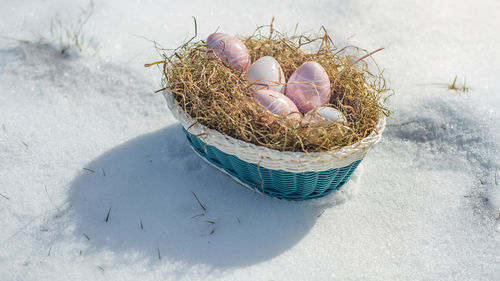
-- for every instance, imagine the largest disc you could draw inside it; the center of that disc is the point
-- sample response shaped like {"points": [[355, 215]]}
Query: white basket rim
{"points": [[272, 158]]}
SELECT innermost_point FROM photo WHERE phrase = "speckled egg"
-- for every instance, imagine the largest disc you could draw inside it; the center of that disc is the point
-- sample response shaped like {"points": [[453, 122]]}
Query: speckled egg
{"points": [[277, 103], [309, 86], [266, 73], [323, 114], [230, 50]]}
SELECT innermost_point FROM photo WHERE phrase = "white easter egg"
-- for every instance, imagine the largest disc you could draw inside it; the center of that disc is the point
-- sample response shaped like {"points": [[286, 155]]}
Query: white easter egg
{"points": [[266, 74], [324, 114], [277, 103]]}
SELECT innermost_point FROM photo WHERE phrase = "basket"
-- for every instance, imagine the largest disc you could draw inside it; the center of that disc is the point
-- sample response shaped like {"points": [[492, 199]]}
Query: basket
{"points": [[281, 174]]}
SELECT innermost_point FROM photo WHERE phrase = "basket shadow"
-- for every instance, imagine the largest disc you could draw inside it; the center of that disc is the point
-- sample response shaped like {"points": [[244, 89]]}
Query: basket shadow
{"points": [[145, 188]]}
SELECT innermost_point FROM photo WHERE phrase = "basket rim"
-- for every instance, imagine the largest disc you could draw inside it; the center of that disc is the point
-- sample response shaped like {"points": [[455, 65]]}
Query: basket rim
{"points": [[274, 159]]}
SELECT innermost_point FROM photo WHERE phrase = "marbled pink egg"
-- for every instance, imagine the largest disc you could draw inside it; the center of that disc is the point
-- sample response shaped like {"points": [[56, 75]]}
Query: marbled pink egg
{"points": [[277, 103], [323, 115], [266, 73], [230, 50], [309, 86]]}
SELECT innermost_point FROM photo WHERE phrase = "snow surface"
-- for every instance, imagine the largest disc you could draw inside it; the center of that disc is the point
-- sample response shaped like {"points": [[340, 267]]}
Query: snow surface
{"points": [[82, 134]]}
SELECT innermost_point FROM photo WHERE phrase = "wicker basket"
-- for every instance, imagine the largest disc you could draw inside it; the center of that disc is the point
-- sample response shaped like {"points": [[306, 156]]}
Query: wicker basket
{"points": [[282, 174]]}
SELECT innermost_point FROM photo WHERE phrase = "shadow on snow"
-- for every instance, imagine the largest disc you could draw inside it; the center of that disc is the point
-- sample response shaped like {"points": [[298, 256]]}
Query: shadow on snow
{"points": [[149, 180]]}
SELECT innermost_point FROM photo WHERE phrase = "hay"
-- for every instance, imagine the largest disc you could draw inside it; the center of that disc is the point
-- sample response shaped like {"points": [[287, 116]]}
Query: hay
{"points": [[221, 99]]}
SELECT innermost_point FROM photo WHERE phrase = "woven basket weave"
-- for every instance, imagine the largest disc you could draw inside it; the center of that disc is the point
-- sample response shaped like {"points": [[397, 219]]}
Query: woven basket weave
{"points": [[282, 174]]}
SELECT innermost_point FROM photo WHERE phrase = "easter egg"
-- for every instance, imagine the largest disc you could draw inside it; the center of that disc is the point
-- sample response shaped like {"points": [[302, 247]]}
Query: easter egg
{"points": [[309, 86], [277, 103], [322, 115], [266, 73], [230, 50]]}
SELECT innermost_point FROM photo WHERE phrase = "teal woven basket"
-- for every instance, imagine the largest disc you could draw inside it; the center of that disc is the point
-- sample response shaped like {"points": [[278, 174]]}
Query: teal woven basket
{"points": [[276, 183], [285, 175]]}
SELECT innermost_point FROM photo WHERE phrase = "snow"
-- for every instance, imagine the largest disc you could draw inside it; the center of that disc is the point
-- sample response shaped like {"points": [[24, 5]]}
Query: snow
{"points": [[82, 134]]}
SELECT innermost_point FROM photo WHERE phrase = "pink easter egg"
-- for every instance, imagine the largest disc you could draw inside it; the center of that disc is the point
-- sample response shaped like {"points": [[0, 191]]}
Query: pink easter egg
{"points": [[230, 50], [277, 103], [309, 86]]}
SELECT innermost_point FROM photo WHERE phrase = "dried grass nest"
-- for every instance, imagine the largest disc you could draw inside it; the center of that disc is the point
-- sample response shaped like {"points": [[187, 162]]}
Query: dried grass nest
{"points": [[220, 98]]}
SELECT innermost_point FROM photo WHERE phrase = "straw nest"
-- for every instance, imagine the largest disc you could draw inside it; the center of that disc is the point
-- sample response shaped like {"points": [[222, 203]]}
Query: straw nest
{"points": [[221, 98]]}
